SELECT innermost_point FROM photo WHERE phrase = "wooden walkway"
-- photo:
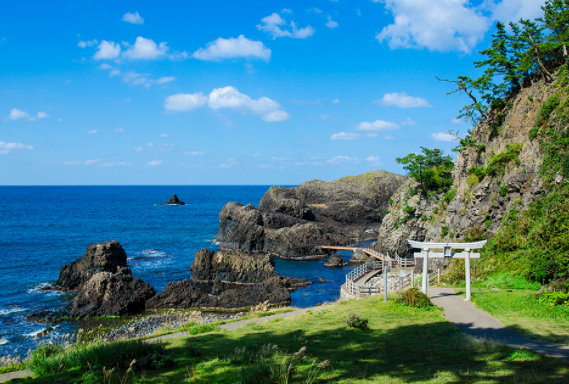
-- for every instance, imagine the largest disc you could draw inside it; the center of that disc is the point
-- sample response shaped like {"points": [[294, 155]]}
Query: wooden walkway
{"points": [[369, 251]]}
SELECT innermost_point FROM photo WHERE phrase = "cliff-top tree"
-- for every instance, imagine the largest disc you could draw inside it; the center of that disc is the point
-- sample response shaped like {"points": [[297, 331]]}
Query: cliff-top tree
{"points": [[432, 169]]}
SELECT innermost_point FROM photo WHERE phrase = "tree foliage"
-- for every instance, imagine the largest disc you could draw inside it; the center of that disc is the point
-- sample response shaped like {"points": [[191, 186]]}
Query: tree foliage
{"points": [[432, 169]]}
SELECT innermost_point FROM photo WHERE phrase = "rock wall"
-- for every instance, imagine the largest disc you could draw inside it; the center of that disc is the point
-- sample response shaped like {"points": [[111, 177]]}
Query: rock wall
{"points": [[477, 206], [294, 222]]}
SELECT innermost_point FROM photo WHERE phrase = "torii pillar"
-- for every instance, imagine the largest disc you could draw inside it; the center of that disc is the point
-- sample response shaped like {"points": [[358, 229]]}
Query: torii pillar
{"points": [[426, 252]]}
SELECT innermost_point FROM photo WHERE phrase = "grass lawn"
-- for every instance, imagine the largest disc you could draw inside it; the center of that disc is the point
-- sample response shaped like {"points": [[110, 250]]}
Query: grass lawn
{"points": [[520, 311], [403, 345]]}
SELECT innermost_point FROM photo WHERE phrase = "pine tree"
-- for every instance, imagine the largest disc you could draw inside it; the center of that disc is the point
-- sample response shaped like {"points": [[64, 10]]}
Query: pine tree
{"points": [[556, 19]]}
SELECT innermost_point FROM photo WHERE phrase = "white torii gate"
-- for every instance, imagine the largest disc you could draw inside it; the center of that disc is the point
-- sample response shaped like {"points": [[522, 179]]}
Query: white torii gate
{"points": [[447, 252]]}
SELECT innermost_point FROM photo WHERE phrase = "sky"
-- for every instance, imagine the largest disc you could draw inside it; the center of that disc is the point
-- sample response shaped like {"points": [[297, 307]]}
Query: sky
{"points": [[232, 92]]}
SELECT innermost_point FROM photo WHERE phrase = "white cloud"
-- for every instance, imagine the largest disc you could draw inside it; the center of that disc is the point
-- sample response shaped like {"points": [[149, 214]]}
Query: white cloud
{"points": [[119, 130], [387, 137], [457, 121], [345, 136], [77, 162], [335, 101], [408, 121], [133, 18], [42, 115], [5, 147], [323, 117], [154, 163], [92, 131], [104, 66], [122, 163], [277, 115], [233, 48], [438, 25], [138, 149], [331, 23], [85, 44], [343, 160], [185, 101], [107, 50], [443, 136], [514, 10], [114, 72], [288, 11], [146, 49], [59, 119], [377, 125], [194, 153], [373, 159], [402, 100], [230, 97], [150, 145], [276, 26], [228, 163], [16, 114], [315, 10], [164, 135], [165, 79]]}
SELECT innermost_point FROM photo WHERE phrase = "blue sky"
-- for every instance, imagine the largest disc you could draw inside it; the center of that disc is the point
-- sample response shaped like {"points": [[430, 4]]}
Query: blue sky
{"points": [[229, 92]]}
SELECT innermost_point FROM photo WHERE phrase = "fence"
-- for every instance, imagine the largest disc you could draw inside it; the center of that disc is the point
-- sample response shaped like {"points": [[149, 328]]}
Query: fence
{"points": [[362, 289]]}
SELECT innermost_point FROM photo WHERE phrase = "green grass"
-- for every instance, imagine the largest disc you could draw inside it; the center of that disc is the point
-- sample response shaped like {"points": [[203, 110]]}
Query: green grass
{"points": [[519, 310], [402, 345]]}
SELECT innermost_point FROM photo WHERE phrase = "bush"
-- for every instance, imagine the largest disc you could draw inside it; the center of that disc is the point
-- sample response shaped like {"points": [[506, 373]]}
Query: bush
{"points": [[555, 298], [356, 321], [194, 328], [503, 191], [444, 232], [449, 196], [409, 210], [412, 297]]}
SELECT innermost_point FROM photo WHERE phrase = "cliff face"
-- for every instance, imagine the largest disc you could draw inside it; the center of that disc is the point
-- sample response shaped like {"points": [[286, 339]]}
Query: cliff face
{"points": [[500, 173], [293, 222]]}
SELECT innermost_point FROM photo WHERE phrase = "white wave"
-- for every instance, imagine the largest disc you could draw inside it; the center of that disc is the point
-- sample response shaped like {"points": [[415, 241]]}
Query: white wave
{"points": [[34, 333], [11, 310], [148, 254], [3, 341]]}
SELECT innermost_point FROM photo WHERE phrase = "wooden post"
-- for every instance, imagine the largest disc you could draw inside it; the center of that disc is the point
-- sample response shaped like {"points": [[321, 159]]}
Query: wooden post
{"points": [[467, 273], [412, 278], [438, 275], [425, 270]]}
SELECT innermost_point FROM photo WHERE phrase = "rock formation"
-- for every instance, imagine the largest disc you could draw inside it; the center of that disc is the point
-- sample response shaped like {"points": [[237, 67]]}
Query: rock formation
{"points": [[184, 294], [111, 294], [239, 267], [474, 207], [174, 201], [295, 222], [335, 261], [359, 256], [101, 257]]}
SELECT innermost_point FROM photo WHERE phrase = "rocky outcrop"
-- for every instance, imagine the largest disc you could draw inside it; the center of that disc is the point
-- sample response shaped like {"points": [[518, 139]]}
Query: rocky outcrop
{"points": [[359, 256], [295, 222], [238, 267], [174, 201], [100, 257], [475, 207], [335, 261], [184, 294], [111, 294]]}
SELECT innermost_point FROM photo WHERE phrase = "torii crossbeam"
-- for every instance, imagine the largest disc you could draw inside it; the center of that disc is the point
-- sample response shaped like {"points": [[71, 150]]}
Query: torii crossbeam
{"points": [[447, 252]]}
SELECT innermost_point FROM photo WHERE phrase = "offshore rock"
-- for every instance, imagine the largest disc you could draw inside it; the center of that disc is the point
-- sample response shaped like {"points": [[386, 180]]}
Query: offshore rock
{"points": [[359, 256], [174, 201], [238, 267], [295, 222], [184, 294], [179, 295], [335, 261], [111, 294], [99, 257]]}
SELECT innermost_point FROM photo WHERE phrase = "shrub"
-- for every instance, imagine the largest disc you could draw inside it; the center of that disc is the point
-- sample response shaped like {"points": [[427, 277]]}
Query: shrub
{"points": [[390, 201], [503, 191], [412, 297], [449, 196], [356, 321], [472, 180], [444, 232], [409, 210], [533, 133], [194, 328], [547, 108], [555, 298]]}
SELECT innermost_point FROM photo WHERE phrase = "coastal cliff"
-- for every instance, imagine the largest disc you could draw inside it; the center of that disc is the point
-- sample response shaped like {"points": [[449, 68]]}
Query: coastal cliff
{"points": [[295, 222], [500, 173]]}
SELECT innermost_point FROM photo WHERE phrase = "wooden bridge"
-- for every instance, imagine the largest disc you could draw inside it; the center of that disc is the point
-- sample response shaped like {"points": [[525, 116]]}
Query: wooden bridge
{"points": [[369, 251]]}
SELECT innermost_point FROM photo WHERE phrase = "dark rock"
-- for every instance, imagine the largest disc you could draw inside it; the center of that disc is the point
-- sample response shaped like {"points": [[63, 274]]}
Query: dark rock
{"points": [[111, 294], [252, 296], [359, 256], [174, 201], [296, 222], [290, 283], [321, 279], [232, 266], [335, 261], [100, 257], [181, 294], [45, 332], [52, 317]]}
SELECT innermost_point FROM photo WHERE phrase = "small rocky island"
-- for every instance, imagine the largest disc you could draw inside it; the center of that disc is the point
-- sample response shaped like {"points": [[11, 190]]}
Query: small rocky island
{"points": [[174, 201]]}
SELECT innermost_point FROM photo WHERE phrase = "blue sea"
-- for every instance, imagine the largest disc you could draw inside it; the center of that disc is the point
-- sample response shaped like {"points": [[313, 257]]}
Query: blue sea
{"points": [[43, 228]]}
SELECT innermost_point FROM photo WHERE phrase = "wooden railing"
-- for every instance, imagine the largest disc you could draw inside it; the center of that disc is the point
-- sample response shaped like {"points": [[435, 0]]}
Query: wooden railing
{"points": [[404, 262], [362, 289]]}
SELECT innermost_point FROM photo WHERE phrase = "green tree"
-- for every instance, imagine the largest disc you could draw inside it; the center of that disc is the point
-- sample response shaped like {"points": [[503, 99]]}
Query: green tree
{"points": [[556, 19], [432, 169]]}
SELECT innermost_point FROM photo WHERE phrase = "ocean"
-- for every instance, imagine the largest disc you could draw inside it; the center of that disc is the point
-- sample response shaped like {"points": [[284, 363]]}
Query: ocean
{"points": [[43, 228]]}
